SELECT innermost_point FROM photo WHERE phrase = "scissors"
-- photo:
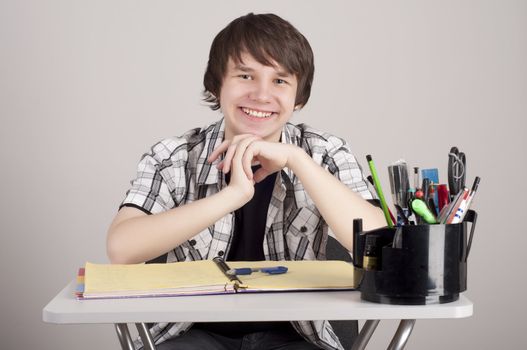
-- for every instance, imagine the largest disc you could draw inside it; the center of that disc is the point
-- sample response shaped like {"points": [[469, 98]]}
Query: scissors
{"points": [[456, 171]]}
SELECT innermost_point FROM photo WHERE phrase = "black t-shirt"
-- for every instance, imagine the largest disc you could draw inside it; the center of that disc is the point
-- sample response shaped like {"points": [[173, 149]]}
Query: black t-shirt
{"points": [[249, 223], [247, 245]]}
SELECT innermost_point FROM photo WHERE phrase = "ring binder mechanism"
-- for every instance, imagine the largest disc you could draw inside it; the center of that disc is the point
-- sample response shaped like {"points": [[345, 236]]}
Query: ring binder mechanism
{"points": [[224, 268]]}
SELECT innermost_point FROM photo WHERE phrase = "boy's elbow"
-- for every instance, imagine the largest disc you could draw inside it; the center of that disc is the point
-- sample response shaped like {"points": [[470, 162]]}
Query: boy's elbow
{"points": [[380, 220], [375, 220], [115, 257], [115, 250]]}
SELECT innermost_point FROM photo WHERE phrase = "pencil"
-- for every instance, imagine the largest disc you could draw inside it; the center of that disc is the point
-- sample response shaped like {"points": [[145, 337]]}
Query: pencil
{"points": [[378, 189]]}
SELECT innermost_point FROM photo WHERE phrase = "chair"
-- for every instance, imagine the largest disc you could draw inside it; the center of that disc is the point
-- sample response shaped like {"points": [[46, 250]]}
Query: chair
{"points": [[346, 331]]}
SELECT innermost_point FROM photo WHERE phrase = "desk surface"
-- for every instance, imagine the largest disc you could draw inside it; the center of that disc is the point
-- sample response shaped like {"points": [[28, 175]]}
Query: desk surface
{"points": [[291, 306]]}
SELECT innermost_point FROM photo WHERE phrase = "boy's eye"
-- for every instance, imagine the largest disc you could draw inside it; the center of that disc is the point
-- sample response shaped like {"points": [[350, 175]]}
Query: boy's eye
{"points": [[245, 76], [280, 81]]}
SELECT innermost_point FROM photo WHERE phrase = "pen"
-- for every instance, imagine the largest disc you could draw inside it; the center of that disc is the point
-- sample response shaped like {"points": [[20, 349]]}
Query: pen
{"points": [[402, 214], [447, 210], [465, 204], [443, 196], [378, 188], [399, 185], [416, 178], [463, 197], [411, 197], [432, 206], [456, 219], [275, 270], [426, 189], [473, 190]]}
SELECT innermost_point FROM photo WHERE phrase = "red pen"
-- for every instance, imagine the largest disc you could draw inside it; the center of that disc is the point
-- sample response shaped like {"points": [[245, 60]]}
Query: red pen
{"points": [[391, 216], [443, 197]]}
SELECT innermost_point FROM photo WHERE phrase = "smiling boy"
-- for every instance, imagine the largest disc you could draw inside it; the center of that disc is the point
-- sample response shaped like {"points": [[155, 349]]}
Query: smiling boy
{"points": [[251, 186]]}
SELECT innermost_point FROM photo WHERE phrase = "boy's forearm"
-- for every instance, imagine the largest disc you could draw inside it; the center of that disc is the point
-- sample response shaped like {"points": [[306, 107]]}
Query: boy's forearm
{"points": [[337, 203], [145, 237]]}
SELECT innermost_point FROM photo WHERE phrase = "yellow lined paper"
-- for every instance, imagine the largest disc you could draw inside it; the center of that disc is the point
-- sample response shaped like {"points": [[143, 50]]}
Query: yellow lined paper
{"points": [[205, 277]]}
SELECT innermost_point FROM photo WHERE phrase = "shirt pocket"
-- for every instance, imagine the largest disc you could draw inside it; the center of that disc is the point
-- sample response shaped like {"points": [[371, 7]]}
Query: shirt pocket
{"points": [[302, 232]]}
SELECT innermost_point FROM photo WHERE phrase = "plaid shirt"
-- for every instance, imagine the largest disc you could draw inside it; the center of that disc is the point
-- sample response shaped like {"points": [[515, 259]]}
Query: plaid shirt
{"points": [[175, 172]]}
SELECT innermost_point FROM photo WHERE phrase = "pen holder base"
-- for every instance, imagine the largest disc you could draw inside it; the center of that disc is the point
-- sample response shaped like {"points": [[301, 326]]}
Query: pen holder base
{"points": [[427, 266], [394, 300]]}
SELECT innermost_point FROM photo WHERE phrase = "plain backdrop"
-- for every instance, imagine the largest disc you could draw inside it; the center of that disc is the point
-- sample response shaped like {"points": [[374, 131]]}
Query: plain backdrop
{"points": [[86, 87]]}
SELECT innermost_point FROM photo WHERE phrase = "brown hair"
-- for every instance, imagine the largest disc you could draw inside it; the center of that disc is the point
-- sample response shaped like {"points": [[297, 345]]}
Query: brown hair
{"points": [[266, 37]]}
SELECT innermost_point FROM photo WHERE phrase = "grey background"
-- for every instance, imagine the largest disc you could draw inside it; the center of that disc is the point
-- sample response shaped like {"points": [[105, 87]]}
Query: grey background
{"points": [[87, 87]]}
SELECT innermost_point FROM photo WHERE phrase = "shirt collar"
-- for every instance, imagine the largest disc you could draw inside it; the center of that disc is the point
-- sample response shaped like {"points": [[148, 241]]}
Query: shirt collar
{"points": [[208, 173]]}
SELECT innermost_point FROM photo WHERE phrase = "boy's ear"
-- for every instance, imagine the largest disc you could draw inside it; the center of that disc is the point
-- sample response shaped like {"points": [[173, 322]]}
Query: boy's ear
{"points": [[297, 107]]}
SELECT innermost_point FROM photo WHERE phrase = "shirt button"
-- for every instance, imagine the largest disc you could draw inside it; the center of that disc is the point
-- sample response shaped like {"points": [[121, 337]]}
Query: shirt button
{"points": [[192, 242], [303, 229], [221, 252]]}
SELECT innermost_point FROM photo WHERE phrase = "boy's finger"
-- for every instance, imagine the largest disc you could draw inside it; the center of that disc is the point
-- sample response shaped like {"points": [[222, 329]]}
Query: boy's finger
{"points": [[225, 146], [228, 157], [218, 150], [240, 155], [249, 156], [247, 163]]}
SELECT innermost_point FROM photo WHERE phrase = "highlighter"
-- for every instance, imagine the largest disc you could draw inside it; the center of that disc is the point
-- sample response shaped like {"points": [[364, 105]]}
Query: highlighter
{"points": [[420, 208]]}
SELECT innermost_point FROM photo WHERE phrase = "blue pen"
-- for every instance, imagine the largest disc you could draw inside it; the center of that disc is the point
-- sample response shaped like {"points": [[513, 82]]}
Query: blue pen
{"points": [[275, 270]]}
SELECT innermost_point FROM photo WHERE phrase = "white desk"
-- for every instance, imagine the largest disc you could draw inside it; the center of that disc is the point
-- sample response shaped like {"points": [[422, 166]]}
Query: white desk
{"points": [[65, 309]]}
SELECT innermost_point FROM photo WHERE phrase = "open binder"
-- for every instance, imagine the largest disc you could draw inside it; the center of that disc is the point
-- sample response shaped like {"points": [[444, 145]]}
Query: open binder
{"points": [[101, 281]]}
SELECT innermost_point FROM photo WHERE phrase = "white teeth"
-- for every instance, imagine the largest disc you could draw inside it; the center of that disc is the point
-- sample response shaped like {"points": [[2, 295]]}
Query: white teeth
{"points": [[256, 113]]}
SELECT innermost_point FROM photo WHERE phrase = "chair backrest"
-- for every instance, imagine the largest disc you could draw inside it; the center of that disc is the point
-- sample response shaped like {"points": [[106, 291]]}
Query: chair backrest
{"points": [[159, 260], [347, 331]]}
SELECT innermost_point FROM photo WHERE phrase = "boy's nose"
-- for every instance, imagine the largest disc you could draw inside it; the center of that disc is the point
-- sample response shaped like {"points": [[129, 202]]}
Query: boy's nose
{"points": [[261, 92]]}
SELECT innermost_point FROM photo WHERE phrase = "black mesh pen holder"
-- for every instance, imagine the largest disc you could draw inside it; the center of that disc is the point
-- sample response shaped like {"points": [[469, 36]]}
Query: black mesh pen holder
{"points": [[413, 264]]}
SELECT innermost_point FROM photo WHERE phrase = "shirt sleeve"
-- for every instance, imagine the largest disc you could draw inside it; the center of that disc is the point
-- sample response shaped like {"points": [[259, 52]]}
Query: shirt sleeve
{"points": [[151, 189], [340, 161]]}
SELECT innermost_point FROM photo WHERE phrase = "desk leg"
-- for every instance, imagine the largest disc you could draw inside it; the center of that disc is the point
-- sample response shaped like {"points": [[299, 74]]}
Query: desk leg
{"points": [[365, 335], [401, 335], [124, 336], [146, 337]]}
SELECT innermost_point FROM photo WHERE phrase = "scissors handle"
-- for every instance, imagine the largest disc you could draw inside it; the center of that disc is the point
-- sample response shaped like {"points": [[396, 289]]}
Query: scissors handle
{"points": [[456, 171], [463, 163]]}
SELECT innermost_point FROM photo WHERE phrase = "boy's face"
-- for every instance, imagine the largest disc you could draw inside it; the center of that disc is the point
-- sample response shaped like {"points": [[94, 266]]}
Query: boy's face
{"points": [[256, 99]]}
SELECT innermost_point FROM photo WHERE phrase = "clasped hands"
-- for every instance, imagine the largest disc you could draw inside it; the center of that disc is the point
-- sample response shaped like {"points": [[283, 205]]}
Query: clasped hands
{"points": [[246, 150]]}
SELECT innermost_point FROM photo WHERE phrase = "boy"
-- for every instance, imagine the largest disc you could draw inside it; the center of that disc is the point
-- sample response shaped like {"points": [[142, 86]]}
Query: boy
{"points": [[248, 187]]}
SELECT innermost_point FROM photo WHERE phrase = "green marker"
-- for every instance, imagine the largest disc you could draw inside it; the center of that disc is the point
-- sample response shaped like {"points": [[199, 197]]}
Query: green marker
{"points": [[420, 208], [378, 189]]}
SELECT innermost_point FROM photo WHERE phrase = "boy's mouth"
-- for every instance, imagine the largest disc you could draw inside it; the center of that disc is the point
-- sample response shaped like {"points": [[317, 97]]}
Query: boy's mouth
{"points": [[256, 113]]}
